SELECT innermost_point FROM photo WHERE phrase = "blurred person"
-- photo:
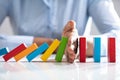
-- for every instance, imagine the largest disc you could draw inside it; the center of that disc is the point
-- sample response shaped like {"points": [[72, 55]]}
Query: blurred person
{"points": [[39, 21]]}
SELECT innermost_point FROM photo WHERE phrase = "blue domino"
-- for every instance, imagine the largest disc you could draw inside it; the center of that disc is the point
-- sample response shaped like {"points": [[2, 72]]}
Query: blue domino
{"points": [[40, 50], [4, 51], [97, 49]]}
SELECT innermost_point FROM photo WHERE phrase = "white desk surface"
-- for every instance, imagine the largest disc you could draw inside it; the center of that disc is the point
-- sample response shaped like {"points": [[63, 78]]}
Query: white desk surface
{"points": [[51, 70]]}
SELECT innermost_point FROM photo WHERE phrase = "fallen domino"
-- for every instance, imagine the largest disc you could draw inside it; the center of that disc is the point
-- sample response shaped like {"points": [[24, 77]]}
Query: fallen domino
{"points": [[61, 49], [38, 51], [4, 51], [97, 49], [14, 52], [50, 50], [26, 52]]}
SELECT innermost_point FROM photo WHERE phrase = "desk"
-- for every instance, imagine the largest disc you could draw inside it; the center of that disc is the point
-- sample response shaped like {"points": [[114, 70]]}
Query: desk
{"points": [[51, 70]]}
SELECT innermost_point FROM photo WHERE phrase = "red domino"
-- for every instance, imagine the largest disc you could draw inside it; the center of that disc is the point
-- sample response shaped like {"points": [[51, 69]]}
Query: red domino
{"points": [[14, 52], [82, 49], [111, 50]]}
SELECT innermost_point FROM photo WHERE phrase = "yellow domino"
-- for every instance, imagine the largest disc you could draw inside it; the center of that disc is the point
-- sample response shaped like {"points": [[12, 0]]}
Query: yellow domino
{"points": [[50, 50], [26, 52]]}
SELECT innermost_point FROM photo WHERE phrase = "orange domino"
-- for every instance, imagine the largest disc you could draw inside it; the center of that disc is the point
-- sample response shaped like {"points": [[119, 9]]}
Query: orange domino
{"points": [[26, 52]]}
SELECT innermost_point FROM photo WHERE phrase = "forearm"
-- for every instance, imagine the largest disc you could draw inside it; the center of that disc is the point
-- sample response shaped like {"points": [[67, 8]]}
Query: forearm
{"points": [[41, 40], [13, 41]]}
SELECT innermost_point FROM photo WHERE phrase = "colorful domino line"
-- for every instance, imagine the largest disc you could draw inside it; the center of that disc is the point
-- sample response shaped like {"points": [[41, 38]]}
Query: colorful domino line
{"points": [[33, 50]]}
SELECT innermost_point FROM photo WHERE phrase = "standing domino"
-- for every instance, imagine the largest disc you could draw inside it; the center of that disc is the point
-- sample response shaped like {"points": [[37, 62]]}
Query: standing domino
{"points": [[97, 49], [111, 50], [82, 49], [61, 49], [50, 50]]}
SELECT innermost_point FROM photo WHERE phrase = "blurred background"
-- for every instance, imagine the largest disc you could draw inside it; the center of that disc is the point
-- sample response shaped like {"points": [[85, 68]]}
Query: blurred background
{"points": [[6, 27]]}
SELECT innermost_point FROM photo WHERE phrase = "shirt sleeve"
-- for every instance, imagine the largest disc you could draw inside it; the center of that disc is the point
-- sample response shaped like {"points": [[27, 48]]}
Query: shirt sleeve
{"points": [[106, 20], [3, 10], [13, 41]]}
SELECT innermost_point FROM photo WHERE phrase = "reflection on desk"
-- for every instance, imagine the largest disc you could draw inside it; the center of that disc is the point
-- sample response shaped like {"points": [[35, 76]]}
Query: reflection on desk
{"points": [[51, 70]]}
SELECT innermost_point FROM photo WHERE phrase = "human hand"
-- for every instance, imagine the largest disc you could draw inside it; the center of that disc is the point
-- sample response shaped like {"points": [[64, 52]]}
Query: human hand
{"points": [[71, 33]]}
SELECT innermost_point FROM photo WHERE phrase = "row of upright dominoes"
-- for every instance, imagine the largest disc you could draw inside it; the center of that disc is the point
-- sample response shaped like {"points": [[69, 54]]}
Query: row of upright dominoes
{"points": [[33, 51], [111, 51]]}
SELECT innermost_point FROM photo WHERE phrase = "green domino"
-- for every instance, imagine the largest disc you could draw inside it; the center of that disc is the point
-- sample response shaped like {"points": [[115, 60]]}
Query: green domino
{"points": [[61, 49]]}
